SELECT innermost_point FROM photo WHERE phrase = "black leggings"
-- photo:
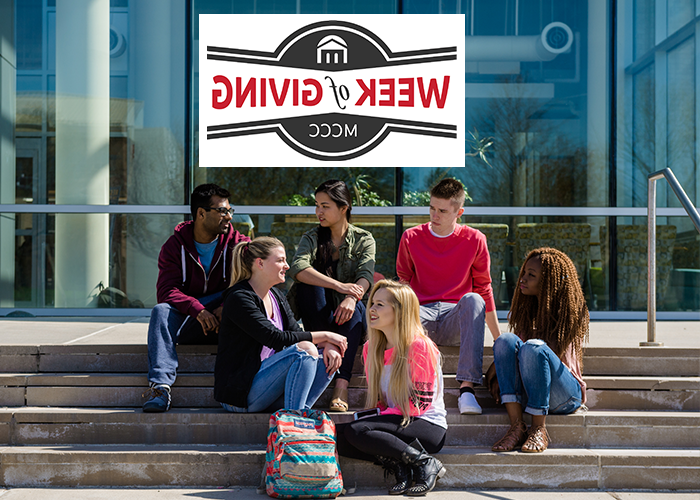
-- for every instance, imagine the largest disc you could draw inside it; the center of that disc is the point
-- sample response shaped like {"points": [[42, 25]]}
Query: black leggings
{"points": [[383, 435]]}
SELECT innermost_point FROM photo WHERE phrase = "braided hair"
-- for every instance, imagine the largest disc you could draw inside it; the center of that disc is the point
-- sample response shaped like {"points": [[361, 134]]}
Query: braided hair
{"points": [[558, 314]]}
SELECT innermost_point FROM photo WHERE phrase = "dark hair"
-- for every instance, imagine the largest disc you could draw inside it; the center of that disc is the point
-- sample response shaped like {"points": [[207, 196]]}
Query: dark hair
{"points": [[245, 253], [339, 193], [202, 194], [449, 189], [558, 314]]}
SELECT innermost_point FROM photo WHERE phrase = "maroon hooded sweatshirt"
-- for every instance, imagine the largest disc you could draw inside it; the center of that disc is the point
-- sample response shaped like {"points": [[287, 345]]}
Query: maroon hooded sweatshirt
{"points": [[181, 277]]}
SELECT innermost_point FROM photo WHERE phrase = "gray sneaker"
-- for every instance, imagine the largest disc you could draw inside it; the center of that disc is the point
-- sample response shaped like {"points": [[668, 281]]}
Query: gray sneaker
{"points": [[158, 398]]}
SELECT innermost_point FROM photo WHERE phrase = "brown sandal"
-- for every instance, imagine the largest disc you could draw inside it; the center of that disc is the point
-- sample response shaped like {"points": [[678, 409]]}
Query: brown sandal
{"points": [[513, 438], [537, 440], [339, 400]]}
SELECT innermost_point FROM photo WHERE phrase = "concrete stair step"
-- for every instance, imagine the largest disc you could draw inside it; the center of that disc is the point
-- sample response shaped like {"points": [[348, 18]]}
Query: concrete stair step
{"points": [[195, 390], [602, 382], [594, 429], [640, 361], [147, 465]]}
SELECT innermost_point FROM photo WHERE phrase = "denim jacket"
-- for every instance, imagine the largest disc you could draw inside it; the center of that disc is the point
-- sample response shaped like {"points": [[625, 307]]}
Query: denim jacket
{"points": [[356, 258]]}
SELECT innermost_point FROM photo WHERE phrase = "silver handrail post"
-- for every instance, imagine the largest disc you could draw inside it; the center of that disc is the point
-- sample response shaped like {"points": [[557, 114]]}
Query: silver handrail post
{"points": [[651, 243], [651, 262]]}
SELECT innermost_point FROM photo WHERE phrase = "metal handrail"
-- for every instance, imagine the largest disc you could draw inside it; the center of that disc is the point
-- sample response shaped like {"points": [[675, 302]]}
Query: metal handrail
{"points": [[651, 243]]}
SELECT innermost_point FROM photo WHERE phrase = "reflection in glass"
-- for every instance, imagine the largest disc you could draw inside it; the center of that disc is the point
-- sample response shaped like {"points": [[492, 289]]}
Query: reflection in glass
{"points": [[643, 26]]}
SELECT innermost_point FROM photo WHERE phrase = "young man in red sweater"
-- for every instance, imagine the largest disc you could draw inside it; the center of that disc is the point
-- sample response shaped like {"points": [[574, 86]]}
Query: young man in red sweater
{"points": [[448, 266]]}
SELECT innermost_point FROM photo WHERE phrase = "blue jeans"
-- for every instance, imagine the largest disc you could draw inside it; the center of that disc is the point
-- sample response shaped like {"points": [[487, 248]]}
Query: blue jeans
{"points": [[461, 324], [292, 373], [315, 306], [169, 327], [549, 385]]}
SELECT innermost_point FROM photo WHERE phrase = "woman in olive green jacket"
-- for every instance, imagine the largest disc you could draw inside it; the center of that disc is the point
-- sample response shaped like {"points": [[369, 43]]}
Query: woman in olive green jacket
{"points": [[333, 268]]}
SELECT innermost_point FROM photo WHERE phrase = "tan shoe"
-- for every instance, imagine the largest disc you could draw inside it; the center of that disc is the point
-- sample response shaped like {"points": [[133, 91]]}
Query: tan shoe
{"points": [[339, 400]]}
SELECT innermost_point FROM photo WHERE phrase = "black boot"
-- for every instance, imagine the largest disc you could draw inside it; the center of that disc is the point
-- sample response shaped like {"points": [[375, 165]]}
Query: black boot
{"points": [[400, 470], [426, 469]]}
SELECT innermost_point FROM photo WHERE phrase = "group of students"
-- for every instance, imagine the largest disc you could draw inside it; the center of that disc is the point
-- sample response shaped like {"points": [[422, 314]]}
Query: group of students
{"points": [[266, 361]]}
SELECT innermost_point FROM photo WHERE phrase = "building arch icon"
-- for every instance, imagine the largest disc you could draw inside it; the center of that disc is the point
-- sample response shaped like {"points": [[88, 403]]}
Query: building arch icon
{"points": [[332, 50]]}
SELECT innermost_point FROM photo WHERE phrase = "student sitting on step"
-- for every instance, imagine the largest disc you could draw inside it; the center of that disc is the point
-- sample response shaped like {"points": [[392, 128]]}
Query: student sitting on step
{"points": [[333, 269], [404, 379], [539, 366], [265, 361]]}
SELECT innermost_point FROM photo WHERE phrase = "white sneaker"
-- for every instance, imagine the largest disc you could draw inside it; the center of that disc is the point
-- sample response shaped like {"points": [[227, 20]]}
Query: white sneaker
{"points": [[468, 405]]}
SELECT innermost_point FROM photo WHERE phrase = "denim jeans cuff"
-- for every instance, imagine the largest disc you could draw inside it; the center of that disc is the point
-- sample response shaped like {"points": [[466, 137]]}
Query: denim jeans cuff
{"points": [[536, 411], [473, 380], [234, 409], [511, 398]]}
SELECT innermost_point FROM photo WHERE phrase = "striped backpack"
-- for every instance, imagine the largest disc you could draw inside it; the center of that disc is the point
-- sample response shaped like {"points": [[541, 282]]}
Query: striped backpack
{"points": [[301, 459]]}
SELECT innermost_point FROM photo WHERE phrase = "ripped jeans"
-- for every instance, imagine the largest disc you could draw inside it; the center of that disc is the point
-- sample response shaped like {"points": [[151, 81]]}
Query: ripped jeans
{"points": [[531, 374], [291, 373]]}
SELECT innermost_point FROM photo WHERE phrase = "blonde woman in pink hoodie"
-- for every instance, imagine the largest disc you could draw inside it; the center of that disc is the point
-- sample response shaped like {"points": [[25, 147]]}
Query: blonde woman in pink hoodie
{"points": [[405, 384]]}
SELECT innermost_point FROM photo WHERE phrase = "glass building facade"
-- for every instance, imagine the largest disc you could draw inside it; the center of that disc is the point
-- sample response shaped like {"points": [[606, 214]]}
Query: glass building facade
{"points": [[99, 147]]}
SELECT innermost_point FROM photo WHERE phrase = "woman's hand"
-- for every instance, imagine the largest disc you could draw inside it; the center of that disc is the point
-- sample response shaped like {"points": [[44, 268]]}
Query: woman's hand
{"points": [[350, 289], [321, 339], [337, 340], [332, 358], [345, 310]]}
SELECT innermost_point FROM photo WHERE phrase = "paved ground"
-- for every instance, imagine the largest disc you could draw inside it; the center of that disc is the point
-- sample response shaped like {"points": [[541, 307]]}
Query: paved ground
{"points": [[51, 331], [249, 494]]}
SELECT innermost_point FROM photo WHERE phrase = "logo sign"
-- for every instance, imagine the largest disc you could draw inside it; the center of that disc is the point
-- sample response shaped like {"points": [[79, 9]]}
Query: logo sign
{"points": [[302, 90]]}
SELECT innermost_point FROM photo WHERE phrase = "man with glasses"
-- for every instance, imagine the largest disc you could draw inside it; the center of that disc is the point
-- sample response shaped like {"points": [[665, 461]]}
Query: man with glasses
{"points": [[194, 268]]}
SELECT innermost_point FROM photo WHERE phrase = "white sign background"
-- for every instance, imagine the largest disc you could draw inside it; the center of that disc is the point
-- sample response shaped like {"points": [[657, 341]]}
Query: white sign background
{"points": [[266, 32]]}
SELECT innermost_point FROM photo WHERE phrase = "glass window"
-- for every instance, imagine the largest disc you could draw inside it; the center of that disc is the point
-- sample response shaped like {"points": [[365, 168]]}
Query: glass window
{"points": [[538, 118], [94, 128], [679, 13], [643, 26], [659, 131]]}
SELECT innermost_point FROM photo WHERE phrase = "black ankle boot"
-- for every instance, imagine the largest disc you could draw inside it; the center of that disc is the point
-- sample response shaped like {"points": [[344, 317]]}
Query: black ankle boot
{"points": [[400, 470], [426, 469]]}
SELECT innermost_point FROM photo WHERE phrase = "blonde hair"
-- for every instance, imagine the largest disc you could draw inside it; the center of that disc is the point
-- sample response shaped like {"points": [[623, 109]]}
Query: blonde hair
{"points": [[245, 253], [558, 314], [408, 329]]}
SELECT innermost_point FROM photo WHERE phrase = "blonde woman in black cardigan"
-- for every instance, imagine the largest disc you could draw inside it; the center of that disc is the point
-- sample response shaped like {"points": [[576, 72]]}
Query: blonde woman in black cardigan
{"points": [[265, 360]]}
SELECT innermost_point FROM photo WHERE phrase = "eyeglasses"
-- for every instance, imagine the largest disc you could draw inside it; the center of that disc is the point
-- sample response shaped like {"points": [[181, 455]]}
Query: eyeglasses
{"points": [[222, 210]]}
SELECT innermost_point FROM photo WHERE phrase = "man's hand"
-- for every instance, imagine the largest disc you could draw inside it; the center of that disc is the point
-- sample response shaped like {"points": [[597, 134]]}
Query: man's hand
{"points": [[345, 310], [209, 322]]}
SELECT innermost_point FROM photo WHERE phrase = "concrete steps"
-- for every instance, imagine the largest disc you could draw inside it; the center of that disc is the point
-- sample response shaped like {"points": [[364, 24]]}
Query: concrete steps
{"points": [[594, 429], [635, 361], [610, 392], [159, 465], [114, 376], [70, 416]]}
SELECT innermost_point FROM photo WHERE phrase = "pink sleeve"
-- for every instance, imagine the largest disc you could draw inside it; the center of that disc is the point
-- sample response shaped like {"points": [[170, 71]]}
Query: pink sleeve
{"points": [[365, 350], [423, 371]]}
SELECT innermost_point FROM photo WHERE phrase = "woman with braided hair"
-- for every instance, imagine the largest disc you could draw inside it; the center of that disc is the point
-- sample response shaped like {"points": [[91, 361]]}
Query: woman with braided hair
{"points": [[539, 366]]}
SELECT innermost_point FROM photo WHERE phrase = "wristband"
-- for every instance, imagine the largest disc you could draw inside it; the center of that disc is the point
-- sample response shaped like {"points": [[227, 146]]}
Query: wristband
{"points": [[351, 297]]}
